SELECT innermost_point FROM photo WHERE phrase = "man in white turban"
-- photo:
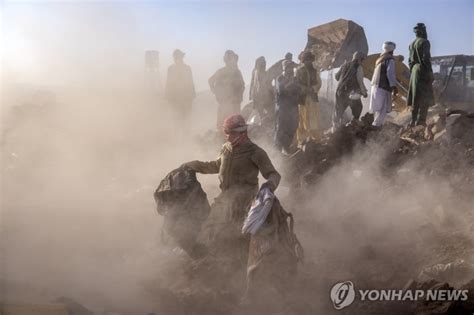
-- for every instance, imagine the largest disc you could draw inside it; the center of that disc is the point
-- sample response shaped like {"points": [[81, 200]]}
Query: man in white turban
{"points": [[384, 84]]}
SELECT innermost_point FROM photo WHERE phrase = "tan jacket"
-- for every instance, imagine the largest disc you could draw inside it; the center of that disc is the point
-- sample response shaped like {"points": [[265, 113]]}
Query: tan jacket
{"points": [[239, 166], [309, 81]]}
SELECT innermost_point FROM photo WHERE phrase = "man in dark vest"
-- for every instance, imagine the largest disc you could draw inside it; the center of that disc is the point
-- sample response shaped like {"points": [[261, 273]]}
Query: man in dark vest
{"points": [[349, 89], [420, 90], [384, 84]]}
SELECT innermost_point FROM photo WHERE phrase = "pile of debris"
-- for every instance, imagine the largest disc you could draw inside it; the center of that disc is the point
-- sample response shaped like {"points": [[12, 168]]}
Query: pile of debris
{"points": [[444, 146]]}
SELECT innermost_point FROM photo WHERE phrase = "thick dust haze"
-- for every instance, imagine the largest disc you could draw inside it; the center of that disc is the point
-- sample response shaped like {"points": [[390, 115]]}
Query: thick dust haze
{"points": [[78, 218], [81, 159]]}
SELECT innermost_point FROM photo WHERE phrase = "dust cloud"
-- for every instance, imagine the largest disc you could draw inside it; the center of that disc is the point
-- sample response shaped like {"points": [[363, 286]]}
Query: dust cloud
{"points": [[80, 162], [78, 220]]}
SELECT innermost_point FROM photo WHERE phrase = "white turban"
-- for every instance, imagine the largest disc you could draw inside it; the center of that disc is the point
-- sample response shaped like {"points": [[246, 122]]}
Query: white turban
{"points": [[388, 46]]}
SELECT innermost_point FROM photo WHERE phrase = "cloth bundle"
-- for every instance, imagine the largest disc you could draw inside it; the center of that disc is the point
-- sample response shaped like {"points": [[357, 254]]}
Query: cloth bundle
{"points": [[259, 211]]}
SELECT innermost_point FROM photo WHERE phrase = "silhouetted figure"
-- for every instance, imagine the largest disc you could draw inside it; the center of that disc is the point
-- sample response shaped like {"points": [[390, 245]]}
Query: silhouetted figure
{"points": [[228, 86], [288, 97], [350, 89], [179, 89], [261, 90]]}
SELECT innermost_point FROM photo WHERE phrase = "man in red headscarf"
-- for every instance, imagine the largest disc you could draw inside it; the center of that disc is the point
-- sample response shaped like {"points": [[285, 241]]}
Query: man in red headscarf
{"points": [[238, 166]]}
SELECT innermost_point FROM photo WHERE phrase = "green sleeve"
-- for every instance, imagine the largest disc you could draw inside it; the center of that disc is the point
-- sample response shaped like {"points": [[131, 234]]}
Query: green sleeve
{"points": [[261, 159], [210, 167]]}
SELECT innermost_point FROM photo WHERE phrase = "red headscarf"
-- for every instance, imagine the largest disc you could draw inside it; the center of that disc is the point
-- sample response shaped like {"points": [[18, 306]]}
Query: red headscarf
{"points": [[235, 129]]}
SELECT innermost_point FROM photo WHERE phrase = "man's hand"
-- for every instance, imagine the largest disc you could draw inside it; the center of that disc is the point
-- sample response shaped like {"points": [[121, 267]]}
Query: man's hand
{"points": [[268, 185], [364, 94]]}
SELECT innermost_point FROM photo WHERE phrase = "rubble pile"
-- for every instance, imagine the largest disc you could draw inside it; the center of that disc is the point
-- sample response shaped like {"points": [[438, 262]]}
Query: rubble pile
{"points": [[444, 147], [443, 150]]}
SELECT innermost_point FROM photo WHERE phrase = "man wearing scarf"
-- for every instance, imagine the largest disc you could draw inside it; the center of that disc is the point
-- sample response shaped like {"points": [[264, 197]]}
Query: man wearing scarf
{"points": [[384, 83], [228, 86], [349, 89], [238, 166], [420, 89]]}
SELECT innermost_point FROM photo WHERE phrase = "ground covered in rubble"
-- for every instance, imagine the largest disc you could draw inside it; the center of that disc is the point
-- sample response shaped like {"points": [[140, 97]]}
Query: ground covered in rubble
{"points": [[385, 209]]}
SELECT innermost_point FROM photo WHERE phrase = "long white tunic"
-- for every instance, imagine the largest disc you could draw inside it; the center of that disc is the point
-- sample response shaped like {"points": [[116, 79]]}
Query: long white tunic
{"points": [[380, 99]]}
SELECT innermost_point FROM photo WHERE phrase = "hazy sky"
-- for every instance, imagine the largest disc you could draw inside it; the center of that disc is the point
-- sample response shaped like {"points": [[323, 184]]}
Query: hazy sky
{"points": [[68, 41]]}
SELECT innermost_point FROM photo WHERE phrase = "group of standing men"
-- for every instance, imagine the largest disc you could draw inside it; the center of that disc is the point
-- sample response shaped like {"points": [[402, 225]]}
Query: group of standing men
{"points": [[384, 83], [283, 97], [286, 95]]}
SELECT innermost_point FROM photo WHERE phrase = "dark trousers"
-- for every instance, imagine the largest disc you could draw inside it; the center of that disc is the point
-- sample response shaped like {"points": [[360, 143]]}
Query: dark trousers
{"points": [[342, 102], [286, 124], [419, 113]]}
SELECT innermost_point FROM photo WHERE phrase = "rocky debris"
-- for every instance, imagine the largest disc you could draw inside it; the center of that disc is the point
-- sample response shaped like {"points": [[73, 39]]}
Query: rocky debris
{"points": [[460, 127], [456, 271], [445, 146], [442, 150], [199, 286], [424, 307]]}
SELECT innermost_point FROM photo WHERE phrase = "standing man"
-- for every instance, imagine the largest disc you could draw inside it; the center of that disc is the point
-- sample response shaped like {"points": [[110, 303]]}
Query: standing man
{"points": [[288, 97], [309, 112], [384, 83], [277, 69], [179, 89], [238, 165], [420, 90], [349, 89], [261, 90], [228, 86]]}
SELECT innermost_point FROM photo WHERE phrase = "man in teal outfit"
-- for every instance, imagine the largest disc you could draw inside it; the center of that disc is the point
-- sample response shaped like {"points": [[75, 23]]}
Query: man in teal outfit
{"points": [[420, 90]]}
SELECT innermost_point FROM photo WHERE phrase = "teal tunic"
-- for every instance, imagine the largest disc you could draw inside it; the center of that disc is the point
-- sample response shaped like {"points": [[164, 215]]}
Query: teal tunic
{"points": [[420, 90]]}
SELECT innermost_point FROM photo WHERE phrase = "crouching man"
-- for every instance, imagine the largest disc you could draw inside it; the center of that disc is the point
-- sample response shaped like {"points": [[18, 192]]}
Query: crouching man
{"points": [[238, 166]]}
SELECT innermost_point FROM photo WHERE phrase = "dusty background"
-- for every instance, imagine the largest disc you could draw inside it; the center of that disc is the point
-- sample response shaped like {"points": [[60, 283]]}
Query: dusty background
{"points": [[79, 167], [85, 145]]}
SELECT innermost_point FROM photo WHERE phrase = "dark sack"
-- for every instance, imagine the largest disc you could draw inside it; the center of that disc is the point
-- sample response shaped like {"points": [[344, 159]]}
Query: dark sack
{"points": [[183, 203]]}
